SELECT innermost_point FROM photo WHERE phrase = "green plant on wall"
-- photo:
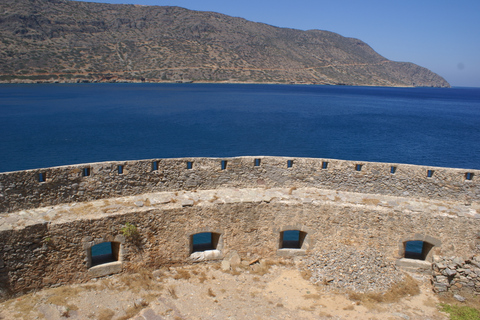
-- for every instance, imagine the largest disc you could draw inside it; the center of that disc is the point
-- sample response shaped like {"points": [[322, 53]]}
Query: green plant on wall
{"points": [[129, 231]]}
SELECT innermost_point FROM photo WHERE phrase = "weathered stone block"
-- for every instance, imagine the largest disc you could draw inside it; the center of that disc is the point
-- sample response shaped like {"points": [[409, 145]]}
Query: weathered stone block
{"points": [[291, 252], [225, 266], [440, 287], [413, 263], [105, 269], [449, 272], [441, 279], [233, 258], [212, 254]]}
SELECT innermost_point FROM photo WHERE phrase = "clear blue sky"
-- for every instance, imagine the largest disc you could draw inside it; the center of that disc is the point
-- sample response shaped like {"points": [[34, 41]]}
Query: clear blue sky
{"points": [[441, 35]]}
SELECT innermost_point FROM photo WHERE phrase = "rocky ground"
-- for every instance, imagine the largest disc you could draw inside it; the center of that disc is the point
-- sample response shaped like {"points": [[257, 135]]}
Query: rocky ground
{"points": [[282, 289], [365, 270], [340, 284]]}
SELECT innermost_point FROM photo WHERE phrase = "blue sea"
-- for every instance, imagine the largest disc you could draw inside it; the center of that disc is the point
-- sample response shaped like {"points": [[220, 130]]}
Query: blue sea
{"points": [[44, 125]]}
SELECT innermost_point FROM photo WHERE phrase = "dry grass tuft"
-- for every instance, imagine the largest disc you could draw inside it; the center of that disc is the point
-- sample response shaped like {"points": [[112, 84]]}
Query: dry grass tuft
{"points": [[107, 284], [202, 277], [149, 298], [261, 270], [90, 286], [211, 293], [24, 305], [214, 198], [279, 262], [291, 190], [304, 308], [72, 307], [131, 312], [370, 201], [85, 207], [263, 267], [407, 287], [106, 314], [182, 274], [60, 295], [172, 292], [325, 314], [234, 272], [159, 274], [141, 280], [306, 274]]}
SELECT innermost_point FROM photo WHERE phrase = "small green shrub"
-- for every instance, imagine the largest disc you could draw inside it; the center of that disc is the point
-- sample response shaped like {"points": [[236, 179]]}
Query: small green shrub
{"points": [[129, 231], [461, 313]]}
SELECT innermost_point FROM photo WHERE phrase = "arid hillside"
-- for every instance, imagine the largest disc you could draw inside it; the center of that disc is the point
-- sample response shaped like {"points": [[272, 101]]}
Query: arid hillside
{"points": [[68, 41]]}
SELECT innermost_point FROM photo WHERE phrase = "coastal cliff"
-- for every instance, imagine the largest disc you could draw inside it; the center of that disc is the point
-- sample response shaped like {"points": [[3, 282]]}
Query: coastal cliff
{"points": [[68, 41]]}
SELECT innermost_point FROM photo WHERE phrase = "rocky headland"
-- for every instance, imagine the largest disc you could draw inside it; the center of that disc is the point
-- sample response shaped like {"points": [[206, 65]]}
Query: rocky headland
{"points": [[68, 41]]}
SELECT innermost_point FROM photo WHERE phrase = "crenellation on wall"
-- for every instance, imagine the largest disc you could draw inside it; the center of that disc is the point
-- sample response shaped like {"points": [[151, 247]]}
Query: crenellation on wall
{"points": [[22, 190]]}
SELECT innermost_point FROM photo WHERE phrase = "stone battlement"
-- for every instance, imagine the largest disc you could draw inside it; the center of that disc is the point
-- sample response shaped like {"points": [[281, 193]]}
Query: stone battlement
{"points": [[52, 219], [86, 182]]}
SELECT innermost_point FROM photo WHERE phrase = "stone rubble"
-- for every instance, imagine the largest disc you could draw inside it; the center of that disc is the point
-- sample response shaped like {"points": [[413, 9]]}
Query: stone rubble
{"points": [[456, 274], [350, 268]]}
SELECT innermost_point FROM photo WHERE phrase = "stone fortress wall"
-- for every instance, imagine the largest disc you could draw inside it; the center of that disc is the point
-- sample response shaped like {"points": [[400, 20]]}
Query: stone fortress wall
{"points": [[22, 189], [245, 202]]}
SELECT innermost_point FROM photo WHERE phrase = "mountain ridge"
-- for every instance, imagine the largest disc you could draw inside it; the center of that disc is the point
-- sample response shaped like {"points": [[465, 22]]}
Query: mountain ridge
{"points": [[68, 41]]}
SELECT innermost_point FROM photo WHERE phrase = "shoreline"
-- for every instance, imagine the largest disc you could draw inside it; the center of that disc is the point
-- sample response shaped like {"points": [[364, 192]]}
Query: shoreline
{"points": [[88, 81]]}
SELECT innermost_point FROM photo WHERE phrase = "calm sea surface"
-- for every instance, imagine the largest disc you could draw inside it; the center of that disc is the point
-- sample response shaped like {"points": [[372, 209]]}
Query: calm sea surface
{"points": [[58, 124]]}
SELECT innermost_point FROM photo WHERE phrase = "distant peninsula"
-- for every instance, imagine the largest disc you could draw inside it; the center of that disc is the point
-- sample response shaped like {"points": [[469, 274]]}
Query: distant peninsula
{"points": [[68, 41]]}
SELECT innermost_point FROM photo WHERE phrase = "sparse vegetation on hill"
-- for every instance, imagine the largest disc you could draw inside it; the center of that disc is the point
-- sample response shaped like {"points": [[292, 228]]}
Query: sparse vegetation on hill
{"points": [[67, 41]]}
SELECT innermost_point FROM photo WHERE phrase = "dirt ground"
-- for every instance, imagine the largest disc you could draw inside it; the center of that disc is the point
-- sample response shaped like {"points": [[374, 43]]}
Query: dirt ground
{"points": [[204, 291]]}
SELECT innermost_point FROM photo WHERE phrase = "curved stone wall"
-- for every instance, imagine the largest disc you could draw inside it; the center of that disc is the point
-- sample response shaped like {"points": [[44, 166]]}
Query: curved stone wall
{"points": [[44, 187], [247, 204]]}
